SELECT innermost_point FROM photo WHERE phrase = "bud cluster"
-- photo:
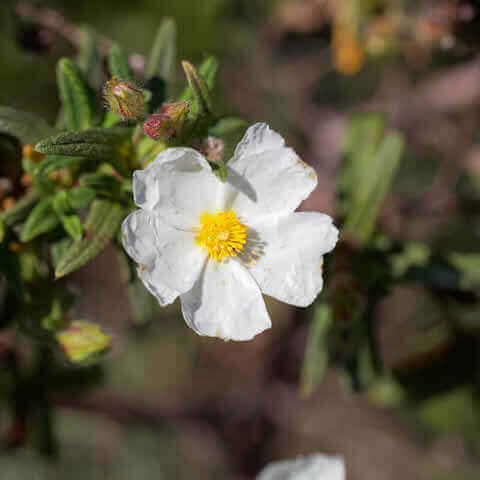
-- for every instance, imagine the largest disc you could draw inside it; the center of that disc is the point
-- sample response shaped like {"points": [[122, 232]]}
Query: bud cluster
{"points": [[167, 122]]}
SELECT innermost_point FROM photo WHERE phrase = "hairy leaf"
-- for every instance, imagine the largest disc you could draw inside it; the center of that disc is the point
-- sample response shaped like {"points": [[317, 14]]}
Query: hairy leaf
{"points": [[75, 96], [42, 219], [111, 145], [118, 63], [56, 162], [21, 209], [161, 61], [27, 127], [101, 226]]}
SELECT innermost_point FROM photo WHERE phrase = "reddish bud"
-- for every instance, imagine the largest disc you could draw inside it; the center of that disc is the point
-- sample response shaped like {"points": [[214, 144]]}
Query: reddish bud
{"points": [[168, 122]]}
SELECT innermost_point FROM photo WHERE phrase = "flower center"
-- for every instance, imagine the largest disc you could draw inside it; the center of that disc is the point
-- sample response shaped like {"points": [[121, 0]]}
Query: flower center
{"points": [[221, 234]]}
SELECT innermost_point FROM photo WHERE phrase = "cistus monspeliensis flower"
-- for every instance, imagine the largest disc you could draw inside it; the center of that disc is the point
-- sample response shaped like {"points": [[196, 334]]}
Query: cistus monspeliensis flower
{"points": [[313, 467], [220, 245]]}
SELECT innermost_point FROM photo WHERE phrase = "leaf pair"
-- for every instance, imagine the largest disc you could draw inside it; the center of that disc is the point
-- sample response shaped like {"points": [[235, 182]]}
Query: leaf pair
{"points": [[373, 158]]}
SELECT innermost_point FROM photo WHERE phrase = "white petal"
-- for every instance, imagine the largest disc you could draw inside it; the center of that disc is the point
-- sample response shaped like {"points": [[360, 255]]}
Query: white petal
{"points": [[313, 467], [288, 255], [178, 185], [267, 177], [225, 302], [169, 260]]}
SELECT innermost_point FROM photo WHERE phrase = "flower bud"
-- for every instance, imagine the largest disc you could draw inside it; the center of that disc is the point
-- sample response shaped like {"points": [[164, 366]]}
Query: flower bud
{"points": [[125, 99], [83, 340], [168, 122]]}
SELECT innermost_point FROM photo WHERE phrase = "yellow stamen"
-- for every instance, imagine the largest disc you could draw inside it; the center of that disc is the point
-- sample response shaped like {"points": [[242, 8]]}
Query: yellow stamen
{"points": [[221, 234]]}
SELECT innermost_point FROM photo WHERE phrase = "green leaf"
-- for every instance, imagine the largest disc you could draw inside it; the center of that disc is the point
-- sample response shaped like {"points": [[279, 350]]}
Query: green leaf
{"points": [[374, 162], [42, 219], [21, 209], [27, 127], [118, 63], [101, 226], [162, 58], [80, 197], [102, 184], [227, 126], [72, 225], [75, 96], [112, 145], [198, 92], [60, 202], [316, 354], [58, 249], [208, 70], [56, 162], [89, 59]]}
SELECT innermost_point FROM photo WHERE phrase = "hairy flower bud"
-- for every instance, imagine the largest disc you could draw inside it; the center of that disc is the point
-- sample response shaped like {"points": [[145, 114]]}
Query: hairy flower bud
{"points": [[168, 122], [125, 99], [83, 340]]}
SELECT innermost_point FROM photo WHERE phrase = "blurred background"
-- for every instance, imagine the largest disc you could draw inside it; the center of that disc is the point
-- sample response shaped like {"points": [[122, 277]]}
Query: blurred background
{"points": [[395, 388]]}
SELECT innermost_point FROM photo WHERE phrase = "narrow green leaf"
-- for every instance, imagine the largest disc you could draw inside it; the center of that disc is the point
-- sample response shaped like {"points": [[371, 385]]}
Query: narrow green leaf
{"points": [[72, 225], [27, 127], [60, 203], [366, 208], [202, 103], [89, 59], [58, 249], [208, 71], [227, 126], [21, 209], [162, 58], [101, 226], [111, 145], [316, 354], [75, 96], [56, 162], [102, 184], [372, 160], [42, 219], [80, 197], [118, 63]]}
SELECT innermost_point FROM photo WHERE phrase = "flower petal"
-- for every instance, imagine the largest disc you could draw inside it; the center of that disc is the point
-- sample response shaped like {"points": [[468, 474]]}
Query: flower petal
{"points": [[267, 177], [225, 302], [178, 185], [169, 261], [312, 467], [287, 259]]}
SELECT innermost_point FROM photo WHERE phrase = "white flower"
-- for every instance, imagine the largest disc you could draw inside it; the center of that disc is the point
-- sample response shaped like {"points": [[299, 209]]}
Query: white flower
{"points": [[220, 245], [313, 467]]}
